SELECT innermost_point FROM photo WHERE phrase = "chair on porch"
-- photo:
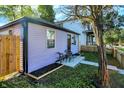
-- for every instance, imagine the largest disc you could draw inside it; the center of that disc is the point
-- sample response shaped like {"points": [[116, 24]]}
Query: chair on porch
{"points": [[61, 57], [68, 55]]}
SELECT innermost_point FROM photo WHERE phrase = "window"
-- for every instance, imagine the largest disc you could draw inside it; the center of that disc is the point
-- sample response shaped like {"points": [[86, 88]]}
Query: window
{"points": [[50, 39], [74, 39]]}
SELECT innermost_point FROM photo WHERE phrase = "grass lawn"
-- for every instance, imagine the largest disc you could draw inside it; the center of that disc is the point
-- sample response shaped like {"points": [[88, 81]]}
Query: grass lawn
{"points": [[79, 77], [66, 77], [93, 56]]}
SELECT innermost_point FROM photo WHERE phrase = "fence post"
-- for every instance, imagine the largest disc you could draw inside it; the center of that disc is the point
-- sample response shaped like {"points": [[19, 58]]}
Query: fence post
{"points": [[122, 59], [114, 52]]}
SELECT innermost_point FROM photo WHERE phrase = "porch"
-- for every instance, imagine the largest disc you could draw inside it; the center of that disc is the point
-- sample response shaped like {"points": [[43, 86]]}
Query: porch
{"points": [[71, 62], [90, 39]]}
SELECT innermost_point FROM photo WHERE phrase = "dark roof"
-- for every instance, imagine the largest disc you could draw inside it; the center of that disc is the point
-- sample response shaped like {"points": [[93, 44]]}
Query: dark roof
{"points": [[37, 21]]}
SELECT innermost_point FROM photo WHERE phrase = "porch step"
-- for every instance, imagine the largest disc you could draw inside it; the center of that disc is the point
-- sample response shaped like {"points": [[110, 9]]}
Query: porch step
{"points": [[73, 62]]}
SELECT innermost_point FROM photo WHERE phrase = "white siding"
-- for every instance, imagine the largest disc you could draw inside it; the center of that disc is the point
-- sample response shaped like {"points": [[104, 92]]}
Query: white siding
{"points": [[38, 53], [76, 26]]}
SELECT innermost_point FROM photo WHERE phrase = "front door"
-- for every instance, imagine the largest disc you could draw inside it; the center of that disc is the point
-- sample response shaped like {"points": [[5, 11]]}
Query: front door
{"points": [[69, 42]]}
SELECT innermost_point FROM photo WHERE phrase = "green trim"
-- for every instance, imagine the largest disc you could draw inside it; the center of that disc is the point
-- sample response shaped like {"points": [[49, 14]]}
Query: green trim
{"points": [[25, 45]]}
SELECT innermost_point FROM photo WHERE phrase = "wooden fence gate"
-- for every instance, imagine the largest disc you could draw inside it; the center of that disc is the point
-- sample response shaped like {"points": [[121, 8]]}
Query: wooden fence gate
{"points": [[9, 54]]}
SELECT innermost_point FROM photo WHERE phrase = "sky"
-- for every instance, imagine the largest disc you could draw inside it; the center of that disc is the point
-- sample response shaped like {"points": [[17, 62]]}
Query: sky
{"points": [[59, 15], [3, 21]]}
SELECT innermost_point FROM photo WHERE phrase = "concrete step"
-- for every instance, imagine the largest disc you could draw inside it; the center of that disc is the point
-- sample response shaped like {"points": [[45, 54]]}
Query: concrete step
{"points": [[73, 62]]}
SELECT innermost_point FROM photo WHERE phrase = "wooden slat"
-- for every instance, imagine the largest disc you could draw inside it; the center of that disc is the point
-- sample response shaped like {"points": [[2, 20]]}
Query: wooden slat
{"points": [[9, 54], [12, 56], [4, 56], [18, 53], [1, 50]]}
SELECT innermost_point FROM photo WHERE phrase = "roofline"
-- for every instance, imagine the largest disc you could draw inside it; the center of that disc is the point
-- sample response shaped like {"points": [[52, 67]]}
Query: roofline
{"points": [[40, 22], [18, 21]]}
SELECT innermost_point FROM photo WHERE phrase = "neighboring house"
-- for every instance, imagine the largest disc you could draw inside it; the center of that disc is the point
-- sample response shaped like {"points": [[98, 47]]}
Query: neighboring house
{"points": [[86, 34], [40, 41]]}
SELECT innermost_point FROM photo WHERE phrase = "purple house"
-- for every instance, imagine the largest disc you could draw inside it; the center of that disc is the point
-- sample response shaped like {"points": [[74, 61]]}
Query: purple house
{"points": [[40, 41]]}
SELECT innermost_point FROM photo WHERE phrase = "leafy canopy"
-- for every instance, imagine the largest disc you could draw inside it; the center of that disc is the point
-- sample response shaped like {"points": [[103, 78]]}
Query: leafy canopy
{"points": [[46, 12], [13, 12]]}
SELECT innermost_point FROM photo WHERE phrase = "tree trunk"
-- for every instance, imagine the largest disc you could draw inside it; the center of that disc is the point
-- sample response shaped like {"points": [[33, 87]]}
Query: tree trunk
{"points": [[102, 71]]}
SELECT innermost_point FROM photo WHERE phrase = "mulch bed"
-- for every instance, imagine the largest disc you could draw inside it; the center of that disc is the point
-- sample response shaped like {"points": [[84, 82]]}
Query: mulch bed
{"points": [[45, 69]]}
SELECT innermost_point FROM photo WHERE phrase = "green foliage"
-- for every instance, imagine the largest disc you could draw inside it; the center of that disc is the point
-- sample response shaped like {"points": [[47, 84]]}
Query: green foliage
{"points": [[122, 49], [91, 56], [20, 82], [25, 10], [67, 77], [122, 35], [46, 12], [111, 37], [111, 21], [8, 11], [114, 33], [116, 80], [13, 12]]}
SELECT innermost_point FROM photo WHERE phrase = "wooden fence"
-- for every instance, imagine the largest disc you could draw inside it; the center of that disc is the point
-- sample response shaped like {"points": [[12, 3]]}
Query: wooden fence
{"points": [[9, 54], [90, 48], [118, 54]]}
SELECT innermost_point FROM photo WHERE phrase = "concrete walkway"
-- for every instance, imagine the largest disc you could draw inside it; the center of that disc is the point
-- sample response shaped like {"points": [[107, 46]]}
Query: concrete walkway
{"points": [[120, 71]]}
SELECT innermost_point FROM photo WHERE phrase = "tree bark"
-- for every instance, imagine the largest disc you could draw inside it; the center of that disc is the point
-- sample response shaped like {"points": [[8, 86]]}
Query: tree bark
{"points": [[102, 70]]}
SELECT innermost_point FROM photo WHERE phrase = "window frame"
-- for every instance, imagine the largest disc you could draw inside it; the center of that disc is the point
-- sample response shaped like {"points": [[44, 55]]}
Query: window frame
{"points": [[47, 40]]}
